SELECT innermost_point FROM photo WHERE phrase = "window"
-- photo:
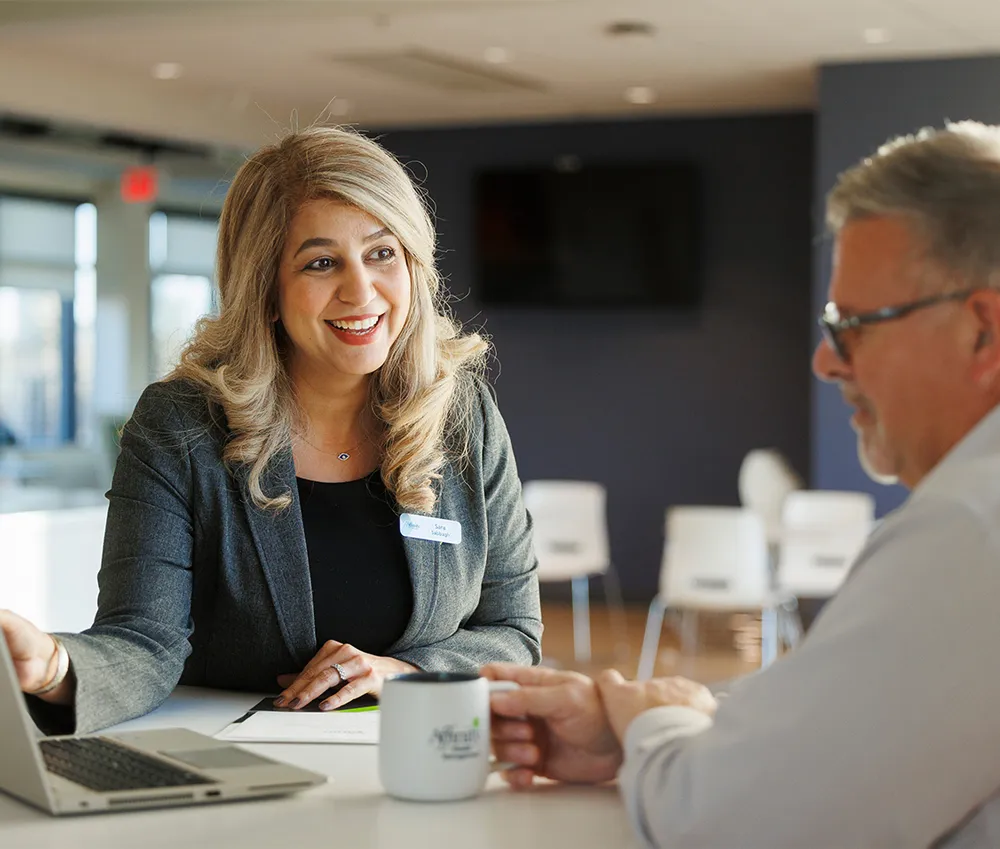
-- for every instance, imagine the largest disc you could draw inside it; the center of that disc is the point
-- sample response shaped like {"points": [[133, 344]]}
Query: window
{"points": [[84, 315], [182, 261], [47, 252]]}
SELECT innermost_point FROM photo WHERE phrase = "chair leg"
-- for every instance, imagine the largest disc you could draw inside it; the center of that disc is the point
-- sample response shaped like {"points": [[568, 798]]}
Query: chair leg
{"points": [[768, 636], [651, 639], [792, 630], [616, 612], [581, 619], [689, 631]]}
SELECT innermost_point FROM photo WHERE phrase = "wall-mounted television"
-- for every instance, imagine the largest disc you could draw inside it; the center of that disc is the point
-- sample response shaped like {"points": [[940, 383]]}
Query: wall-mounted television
{"points": [[589, 236]]}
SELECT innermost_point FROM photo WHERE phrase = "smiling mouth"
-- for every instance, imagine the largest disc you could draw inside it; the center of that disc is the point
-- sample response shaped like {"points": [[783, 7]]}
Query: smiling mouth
{"points": [[361, 327]]}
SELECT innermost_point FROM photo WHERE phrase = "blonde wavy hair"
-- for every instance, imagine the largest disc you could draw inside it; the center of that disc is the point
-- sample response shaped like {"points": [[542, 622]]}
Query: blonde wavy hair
{"points": [[425, 392]]}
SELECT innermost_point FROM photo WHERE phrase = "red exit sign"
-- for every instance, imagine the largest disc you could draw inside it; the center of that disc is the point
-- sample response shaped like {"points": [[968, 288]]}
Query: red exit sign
{"points": [[139, 184]]}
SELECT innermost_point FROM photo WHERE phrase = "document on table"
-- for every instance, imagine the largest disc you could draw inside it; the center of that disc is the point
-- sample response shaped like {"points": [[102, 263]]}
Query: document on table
{"points": [[265, 725]]}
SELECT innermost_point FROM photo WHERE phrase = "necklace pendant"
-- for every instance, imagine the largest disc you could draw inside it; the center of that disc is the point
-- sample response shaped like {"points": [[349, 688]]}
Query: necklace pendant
{"points": [[344, 456]]}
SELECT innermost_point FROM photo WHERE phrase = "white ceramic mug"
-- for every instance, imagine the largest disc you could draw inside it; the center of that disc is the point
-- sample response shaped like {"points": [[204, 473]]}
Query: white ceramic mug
{"points": [[434, 737]]}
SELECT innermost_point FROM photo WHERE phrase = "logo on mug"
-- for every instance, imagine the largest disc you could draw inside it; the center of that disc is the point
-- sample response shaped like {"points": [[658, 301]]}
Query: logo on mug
{"points": [[456, 744]]}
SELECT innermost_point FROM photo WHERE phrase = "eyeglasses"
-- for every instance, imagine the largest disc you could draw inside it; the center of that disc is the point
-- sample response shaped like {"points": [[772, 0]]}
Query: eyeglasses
{"points": [[834, 325]]}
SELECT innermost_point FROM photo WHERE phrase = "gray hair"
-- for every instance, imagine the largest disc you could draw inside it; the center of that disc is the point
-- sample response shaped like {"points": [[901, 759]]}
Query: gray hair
{"points": [[947, 183]]}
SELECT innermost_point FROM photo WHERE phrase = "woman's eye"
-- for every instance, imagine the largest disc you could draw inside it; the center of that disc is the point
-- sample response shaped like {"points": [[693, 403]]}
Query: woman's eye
{"points": [[383, 254], [324, 263]]}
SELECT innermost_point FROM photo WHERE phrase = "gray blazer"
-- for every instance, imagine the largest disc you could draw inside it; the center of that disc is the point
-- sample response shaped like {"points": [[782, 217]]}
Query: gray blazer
{"points": [[198, 586]]}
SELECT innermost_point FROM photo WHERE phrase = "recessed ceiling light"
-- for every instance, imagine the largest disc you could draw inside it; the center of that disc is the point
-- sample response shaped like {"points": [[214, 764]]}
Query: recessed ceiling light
{"points": [[876, 35], [496, 55], [617, 29], [340, 106], [640, 94], [167, 70]]}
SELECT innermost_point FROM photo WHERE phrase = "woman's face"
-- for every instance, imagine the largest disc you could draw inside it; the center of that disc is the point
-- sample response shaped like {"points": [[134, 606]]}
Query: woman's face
{"points": [[343, 290]]}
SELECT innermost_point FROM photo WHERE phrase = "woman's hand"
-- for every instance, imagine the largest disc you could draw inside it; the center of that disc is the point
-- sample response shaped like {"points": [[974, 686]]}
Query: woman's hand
{"points": [[361, 673], [36, 658]]}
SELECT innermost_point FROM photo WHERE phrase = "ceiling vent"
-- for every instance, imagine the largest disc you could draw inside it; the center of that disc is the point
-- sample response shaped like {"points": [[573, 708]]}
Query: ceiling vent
{"points": [[423, 67]]}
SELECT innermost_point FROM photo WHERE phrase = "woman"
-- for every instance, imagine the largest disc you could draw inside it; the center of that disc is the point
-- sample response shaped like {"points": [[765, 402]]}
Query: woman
{"points": [[253, 532]]}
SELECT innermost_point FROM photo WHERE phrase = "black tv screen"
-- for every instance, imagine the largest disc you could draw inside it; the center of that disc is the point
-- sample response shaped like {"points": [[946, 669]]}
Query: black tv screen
{"points": [[600, 236]]}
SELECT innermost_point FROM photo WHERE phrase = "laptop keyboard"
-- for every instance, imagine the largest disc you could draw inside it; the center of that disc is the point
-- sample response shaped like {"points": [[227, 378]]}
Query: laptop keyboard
{"points": [[101, 764]]}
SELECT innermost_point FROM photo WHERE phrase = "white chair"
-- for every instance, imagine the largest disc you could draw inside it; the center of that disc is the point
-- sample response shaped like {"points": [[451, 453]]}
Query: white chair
{"points": [[715, 558], [21, 499], [66, 467], [48, 571], [765, 480], [571, 543], [822, 534]]}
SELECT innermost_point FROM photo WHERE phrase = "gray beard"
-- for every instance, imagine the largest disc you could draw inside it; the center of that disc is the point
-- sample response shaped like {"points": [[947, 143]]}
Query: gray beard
{"points": [[878, 477]]}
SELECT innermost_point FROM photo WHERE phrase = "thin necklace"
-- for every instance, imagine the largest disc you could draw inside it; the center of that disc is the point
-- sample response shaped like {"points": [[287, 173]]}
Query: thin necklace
{"points": [[340, 455]]}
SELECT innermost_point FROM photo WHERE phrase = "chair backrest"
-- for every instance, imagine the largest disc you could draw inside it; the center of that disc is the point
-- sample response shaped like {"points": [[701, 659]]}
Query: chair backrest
{"points": [[67, 467], [822, 534], [766, 478], [48, 571], [570, 528], [715, 557]]}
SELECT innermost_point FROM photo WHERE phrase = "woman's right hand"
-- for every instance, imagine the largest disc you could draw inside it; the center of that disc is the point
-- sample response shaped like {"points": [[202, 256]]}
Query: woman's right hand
{"points": [[34, 653]]}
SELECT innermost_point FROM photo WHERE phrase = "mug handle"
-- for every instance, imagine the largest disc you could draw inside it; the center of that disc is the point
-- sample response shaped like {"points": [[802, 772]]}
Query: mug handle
{"points": [[501, 687]]}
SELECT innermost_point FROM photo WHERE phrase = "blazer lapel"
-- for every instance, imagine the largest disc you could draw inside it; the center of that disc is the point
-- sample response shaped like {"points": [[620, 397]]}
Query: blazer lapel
{"points": [[422, 558], [281, 546]]}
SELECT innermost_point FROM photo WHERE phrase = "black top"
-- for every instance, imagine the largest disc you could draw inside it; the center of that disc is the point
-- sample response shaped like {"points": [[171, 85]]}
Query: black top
{"points": [[360, 576]]}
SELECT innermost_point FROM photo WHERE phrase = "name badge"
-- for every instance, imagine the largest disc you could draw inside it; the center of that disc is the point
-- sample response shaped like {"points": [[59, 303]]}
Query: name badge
{"points": [[430, 528]]}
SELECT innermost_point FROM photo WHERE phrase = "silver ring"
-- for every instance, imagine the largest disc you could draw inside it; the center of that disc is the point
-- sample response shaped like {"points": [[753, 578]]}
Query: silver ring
{"points": [[340, 672]]}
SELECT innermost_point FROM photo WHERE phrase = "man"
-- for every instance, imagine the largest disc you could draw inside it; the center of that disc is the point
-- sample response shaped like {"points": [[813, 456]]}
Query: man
{"points": [[883, 728]]}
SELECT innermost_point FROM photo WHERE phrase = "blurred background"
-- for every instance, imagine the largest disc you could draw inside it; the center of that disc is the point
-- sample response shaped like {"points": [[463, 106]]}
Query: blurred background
{"points": [[696, 138]]}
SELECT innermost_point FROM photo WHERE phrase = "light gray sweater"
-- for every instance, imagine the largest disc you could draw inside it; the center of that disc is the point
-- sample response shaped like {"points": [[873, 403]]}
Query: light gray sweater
{"points": [[882, 729]]}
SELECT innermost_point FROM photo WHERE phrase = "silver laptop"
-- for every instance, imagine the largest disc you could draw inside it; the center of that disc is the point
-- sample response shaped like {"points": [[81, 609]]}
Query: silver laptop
{"points": [[138, 769]]}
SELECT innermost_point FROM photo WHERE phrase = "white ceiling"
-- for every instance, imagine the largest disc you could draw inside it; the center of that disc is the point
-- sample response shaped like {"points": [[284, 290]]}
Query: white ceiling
{"points": [[254, 67]]}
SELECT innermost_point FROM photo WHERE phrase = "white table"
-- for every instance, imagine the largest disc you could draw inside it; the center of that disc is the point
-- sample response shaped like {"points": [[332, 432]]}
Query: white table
{"points": [[351, 811]]}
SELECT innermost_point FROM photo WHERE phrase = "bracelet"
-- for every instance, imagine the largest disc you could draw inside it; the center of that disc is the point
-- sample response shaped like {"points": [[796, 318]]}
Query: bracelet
{"points": [[62, 669]]}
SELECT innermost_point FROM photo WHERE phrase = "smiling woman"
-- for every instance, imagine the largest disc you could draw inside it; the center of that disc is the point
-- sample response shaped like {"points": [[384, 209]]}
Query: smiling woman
{"points": [[254, 536], [342, 296]]}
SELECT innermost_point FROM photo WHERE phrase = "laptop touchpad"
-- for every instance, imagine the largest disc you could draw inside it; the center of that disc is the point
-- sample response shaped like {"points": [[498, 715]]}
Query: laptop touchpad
{"points": [[221, 757]]}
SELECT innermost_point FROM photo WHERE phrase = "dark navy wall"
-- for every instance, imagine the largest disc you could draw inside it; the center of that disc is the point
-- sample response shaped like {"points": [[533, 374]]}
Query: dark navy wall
{"points": [[860, 107], [659, 407]]}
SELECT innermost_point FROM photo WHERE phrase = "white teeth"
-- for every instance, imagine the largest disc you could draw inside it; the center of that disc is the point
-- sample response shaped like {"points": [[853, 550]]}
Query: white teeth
{"points": [[364, 324]]}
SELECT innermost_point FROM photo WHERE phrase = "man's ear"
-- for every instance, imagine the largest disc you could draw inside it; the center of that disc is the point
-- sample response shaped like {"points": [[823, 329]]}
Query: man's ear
{"points": [[985, 306]]}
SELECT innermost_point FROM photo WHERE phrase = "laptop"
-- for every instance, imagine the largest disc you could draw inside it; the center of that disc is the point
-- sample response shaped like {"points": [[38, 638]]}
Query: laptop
{"points": [[118, 772]]}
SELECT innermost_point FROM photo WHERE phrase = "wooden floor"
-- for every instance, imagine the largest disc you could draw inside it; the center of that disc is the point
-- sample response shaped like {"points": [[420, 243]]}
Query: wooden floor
{"points": [[713, 658]]}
